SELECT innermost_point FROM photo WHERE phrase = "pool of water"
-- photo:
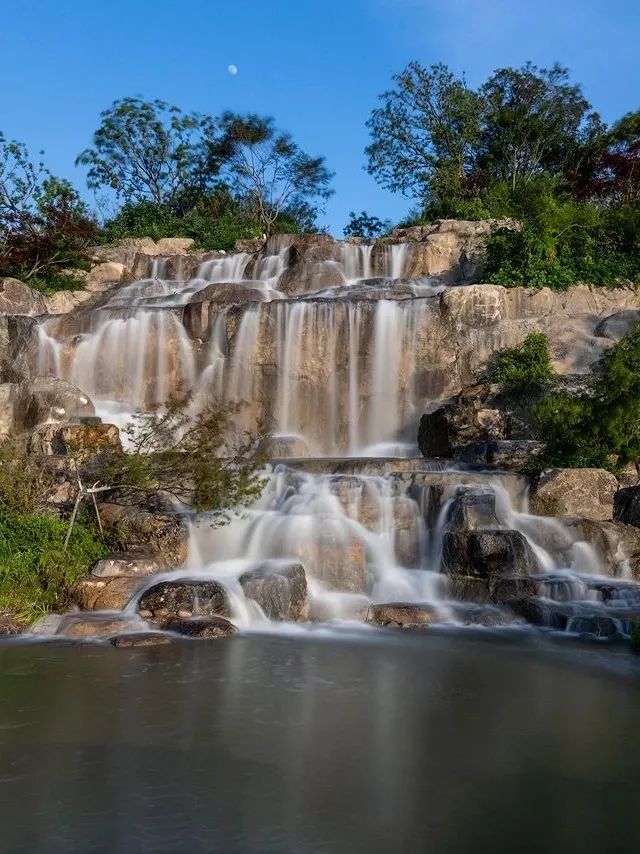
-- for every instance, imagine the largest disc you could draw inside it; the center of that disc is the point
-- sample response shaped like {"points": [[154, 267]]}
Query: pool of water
{"points": [[313, 743]]}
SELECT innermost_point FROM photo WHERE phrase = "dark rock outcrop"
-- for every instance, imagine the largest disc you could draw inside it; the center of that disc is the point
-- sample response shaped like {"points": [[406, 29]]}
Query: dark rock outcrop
{"points": [[205, 628], [626, 506], [280, 589], [487, 554], [183, 599], [402, 614]]}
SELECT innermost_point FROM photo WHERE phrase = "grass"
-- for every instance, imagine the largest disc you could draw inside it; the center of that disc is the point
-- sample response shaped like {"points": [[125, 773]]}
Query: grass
{"points": [[35, 574]]}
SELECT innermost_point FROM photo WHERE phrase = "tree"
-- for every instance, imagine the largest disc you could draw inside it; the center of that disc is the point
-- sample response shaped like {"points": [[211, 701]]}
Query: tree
{"points": [[152, 151], [533, 120], [44, 225], [197, 459], [425, 134], [364, 225], [609, 170], [269, 171]]}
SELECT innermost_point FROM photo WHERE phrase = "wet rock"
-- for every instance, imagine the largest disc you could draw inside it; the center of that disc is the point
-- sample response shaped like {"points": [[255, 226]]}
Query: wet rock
{"points": [[183, 599], [144, 533], [18, 298], [338, 606], [47, 625], [123, 565], [615, 544], [472, 509], [487, 554], [541, 612], [503, 591], [618, 325], [598, 626], [137, 639], [472, 614], [52, 400], [587, 493], [283, 446], [626, 506], [10, 625], [280, 589], [460, 422], [104, 594], [93, 627], [229, 292], [402, 614], [205, 628], [14, 399]]}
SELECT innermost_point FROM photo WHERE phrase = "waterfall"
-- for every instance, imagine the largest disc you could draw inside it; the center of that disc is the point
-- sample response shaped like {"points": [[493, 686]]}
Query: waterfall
{"points": [[335, 372]]}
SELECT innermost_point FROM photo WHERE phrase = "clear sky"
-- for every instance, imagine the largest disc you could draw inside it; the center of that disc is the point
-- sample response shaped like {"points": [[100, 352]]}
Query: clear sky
{"points": [[317, 67]]}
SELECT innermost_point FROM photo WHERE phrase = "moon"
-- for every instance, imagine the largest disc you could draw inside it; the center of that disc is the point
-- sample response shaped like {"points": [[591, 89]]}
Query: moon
{"points": [[233, 70]]}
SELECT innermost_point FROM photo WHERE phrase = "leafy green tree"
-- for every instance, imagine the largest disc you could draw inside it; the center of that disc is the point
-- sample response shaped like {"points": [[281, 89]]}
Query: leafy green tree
{"points": [[268, 171], [364, 225], [152, 151], [533, 121], [424, 134]]}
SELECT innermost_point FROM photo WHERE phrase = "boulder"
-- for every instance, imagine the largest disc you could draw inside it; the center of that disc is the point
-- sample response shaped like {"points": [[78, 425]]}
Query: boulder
{"points": [[123, 565], [136, 639], [18, 298], [52, 399], [93, 627], [104, 594], [472, 509], [402, 614], [487, 554], [229, 292], [174, 245], [204, 628], [587, 493], [626, 506], [83, 439], [142, 533], [619, 324], [62, 302], [465, 420], [184, 598], [280, 589], [105, 275], [19, 347]]}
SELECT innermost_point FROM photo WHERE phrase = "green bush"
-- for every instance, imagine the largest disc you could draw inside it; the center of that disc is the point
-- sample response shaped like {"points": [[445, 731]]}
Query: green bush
{"points": [[562, 241], [599, 427], [35, 574], [524, 369]]}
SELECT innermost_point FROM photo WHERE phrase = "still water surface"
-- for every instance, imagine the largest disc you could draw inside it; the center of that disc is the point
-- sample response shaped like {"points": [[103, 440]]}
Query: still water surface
{"points": [[317, 744]]}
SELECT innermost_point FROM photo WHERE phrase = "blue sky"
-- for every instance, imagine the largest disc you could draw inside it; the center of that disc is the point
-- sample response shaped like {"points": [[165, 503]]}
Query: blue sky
{"points": [[317, 67]]}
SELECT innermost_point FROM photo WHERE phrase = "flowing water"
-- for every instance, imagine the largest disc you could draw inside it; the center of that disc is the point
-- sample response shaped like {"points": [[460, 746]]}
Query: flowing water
{"points": [[336, 371]]}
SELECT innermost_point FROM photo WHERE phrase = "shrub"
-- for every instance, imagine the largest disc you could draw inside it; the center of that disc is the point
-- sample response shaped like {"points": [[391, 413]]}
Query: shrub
{"points": [[35, 574], [524, 369]]}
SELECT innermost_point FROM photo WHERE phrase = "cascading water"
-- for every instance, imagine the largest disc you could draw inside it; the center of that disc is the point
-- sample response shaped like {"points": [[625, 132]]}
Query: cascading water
{"points": [[336, 370]]}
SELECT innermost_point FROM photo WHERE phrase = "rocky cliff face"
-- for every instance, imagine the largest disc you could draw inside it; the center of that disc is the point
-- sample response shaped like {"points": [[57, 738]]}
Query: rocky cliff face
{"points": [[340, 348]]}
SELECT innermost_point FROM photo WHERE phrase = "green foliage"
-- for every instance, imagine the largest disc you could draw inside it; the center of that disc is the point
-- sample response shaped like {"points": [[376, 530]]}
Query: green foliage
{"points": [[525, 369], [152, 151], [201, 460], [35, 574], [268, 172], [599, 427], [364, 225]]}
